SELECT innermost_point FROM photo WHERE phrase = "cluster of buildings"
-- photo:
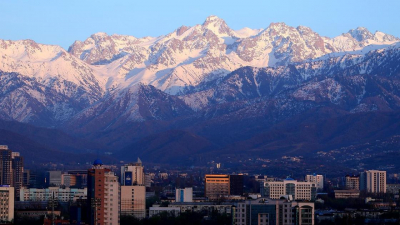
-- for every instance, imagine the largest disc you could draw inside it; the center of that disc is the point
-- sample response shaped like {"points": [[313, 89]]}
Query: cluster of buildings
{"points": [[96, 192], [99, 196], [107, 198], [283, 202], [370, 181]]}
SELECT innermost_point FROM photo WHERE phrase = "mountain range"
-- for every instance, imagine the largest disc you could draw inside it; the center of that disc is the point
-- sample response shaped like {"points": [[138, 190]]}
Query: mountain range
{"points": [[202, 90]]}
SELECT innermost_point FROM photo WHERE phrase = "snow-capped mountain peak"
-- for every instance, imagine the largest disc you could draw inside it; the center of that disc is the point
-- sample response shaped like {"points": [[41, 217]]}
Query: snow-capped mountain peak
{"points": [[46, 63], [213, 20], [218, 26], [361, 34], [99, 34], [105, 65]]}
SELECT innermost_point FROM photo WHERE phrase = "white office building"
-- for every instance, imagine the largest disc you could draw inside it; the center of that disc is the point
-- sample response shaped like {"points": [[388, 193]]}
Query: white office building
{"points": [[290, 189], [184, 195]]}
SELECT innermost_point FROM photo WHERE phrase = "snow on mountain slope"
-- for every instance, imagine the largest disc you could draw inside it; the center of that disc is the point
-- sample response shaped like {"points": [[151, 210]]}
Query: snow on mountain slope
{"points": [[188, 57], [185, 57], [102, 49], [51, 66], [44, 84], [137, 103], [24, 99], [249, 83], [191, 55], [357, 39], [247, 32]]}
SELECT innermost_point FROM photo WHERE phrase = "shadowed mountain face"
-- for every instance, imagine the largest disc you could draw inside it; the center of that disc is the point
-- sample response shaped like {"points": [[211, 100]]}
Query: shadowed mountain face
{"points": [[40, 145], [171, 146], [36, 153], [322, 113], [201, 91], [307, 134], [51, 138], [252, 111]]}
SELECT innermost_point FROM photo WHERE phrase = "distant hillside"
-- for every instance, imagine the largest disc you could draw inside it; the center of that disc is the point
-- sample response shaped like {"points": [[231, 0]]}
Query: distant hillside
{"points": [[172, 146], [52, 138]]}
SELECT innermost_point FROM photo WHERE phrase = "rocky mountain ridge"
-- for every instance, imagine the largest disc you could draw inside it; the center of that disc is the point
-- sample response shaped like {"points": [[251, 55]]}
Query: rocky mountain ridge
{"points": [[62, 83], [207, 84]]}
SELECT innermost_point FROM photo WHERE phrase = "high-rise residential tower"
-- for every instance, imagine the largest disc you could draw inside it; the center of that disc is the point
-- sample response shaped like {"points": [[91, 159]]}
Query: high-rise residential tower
{"points": [[17, 172], [11, 169], [373, 181], [5, 165], [103, 195]]}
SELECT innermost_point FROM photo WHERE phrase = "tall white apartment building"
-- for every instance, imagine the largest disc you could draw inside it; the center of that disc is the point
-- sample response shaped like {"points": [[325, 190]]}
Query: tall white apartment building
{"points": [[111, 198], [373, 181], [317, 179], [289, 188]]}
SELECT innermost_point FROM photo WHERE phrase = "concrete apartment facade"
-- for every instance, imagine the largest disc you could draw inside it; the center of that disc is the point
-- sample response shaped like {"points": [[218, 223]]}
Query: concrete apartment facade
{"points": [[266, 211]]}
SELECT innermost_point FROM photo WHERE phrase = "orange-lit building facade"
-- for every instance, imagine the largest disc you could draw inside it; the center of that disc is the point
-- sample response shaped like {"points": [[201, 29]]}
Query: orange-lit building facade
{"points": [[103, 195], [218, 186]]}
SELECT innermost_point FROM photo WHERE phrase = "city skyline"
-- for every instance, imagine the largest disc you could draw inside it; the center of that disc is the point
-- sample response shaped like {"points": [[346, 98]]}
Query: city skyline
{"points": [[199, 112]]}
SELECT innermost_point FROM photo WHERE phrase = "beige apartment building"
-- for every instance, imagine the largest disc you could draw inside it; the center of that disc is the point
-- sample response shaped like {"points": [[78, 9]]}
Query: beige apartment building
{"points": [[6, 203], [133, 201]]}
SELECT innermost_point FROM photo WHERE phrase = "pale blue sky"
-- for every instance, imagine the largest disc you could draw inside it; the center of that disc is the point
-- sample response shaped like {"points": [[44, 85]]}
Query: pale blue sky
{"points": [[62, 22]]}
